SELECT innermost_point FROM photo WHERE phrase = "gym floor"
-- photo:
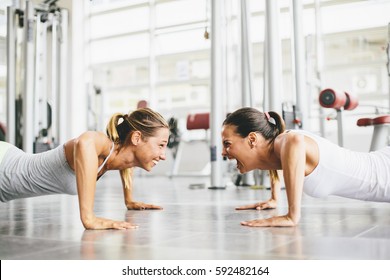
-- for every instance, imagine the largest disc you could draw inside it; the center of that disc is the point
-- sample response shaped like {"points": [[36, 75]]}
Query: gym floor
{"points": [[196, 223]]}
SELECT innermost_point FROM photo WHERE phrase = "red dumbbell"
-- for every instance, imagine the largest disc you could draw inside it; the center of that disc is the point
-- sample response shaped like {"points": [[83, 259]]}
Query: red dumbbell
{"points": [[330, 98]]}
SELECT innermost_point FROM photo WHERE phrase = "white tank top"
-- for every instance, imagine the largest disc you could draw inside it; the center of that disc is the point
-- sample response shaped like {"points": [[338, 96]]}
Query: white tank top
{"points": [[346, 173]]}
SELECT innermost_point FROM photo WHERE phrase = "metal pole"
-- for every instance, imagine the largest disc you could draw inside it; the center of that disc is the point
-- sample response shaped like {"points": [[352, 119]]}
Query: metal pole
{"points": [[152, 54], [265, 68], [40, 76], [275, 76], [388, 59], [11, 68], [63, 78], [246, 70], [216, 95], [299, 53], [260, 175], [40, 108], [246, 56], [54, 77], [320, 60], [340, 130], [28, 94], [388, 73]]}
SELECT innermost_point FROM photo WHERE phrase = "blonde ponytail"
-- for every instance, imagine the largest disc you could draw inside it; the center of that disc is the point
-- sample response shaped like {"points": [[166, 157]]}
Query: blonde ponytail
{"points": [[273, 174], [111, 128], [127, 177]]}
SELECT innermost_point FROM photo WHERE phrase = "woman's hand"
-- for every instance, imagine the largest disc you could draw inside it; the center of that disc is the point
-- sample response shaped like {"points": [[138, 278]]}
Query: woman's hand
{"points": [[278, 221], [102, 223], [269, 204], [134, 205]]}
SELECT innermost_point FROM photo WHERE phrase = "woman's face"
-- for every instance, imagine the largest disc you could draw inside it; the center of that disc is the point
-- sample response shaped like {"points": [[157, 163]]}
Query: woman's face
{"points": [[236, 147], [152, 150]]}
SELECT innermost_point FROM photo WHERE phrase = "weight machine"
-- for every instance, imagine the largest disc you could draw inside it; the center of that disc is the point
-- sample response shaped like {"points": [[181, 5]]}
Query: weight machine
{"points": [[36, 75], [340, 101]]}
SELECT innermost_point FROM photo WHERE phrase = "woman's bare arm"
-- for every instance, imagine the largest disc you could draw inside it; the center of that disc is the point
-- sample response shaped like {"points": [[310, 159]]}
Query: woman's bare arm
{"points": [[270, 203], [87, 149], [128, 195], [293, 159]]}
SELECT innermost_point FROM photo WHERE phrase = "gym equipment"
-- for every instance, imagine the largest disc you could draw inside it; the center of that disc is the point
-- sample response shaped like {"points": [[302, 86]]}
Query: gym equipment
{"points": [[174, 136], [199, 121], [292, 118], [381, 130], [388, 57], [142, 104], [330, 98], [218, 87], [381, 124], [36, 102], [340, 101], [2, 131]]}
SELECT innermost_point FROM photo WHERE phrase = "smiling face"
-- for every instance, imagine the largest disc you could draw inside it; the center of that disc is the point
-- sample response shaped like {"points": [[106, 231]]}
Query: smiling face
{"points": [[238, 148], [151, 150]]}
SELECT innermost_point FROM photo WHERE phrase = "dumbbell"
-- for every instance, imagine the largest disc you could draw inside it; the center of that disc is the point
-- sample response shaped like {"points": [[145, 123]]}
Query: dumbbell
{"points": [[330, 98]]}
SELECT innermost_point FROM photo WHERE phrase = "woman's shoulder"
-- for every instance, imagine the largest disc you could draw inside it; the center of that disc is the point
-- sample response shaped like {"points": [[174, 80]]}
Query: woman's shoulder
{"points": [[289, 135], [90, 139], [96, 137], [93, 134], [287, 138]]}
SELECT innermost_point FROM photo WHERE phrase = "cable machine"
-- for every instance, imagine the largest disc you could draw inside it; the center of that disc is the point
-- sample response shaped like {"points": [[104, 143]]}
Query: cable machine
{"points": [[36, 75]]}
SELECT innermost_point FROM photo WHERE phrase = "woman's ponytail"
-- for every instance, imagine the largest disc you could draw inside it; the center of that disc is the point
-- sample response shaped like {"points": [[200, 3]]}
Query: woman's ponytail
{"points": [[277, 121], [111, 128], [279, 127]]}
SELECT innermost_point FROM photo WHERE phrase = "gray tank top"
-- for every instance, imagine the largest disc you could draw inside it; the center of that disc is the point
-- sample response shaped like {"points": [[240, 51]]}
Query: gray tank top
{"points": [[25, 175]]}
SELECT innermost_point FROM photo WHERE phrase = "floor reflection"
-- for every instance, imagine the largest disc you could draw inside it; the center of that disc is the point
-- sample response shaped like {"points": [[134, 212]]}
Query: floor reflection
{"points": [[196, 223]]}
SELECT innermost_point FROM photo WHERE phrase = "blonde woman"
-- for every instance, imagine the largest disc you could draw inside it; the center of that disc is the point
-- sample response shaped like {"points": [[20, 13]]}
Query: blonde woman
{"points": [[136, 140]]}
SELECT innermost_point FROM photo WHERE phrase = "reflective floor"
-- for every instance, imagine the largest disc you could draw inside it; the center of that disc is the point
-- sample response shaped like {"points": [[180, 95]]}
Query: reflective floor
{"points": [[196, 223]]}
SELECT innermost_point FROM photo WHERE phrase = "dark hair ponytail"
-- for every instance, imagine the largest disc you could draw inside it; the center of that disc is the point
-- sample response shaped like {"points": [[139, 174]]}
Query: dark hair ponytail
{"points": [[277, 122], [247, 120]]}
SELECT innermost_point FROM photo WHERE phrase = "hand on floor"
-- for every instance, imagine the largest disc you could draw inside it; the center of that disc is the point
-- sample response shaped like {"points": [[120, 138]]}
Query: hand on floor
{"points": [[102, 223], [142, 206], [269, 204], [279, 221]]}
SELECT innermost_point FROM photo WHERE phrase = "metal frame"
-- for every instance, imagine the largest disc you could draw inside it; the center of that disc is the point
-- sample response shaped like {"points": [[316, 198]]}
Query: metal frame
{"points": [[40, 84], [11, 73], [216, 94]]}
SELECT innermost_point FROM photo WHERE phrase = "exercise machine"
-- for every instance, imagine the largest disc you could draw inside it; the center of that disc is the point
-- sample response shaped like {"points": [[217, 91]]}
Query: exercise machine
{"points": [[36, 75], [194, 122], [340, 101], [2, 131], [380, 135], [381, 124], [174, 136]]}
